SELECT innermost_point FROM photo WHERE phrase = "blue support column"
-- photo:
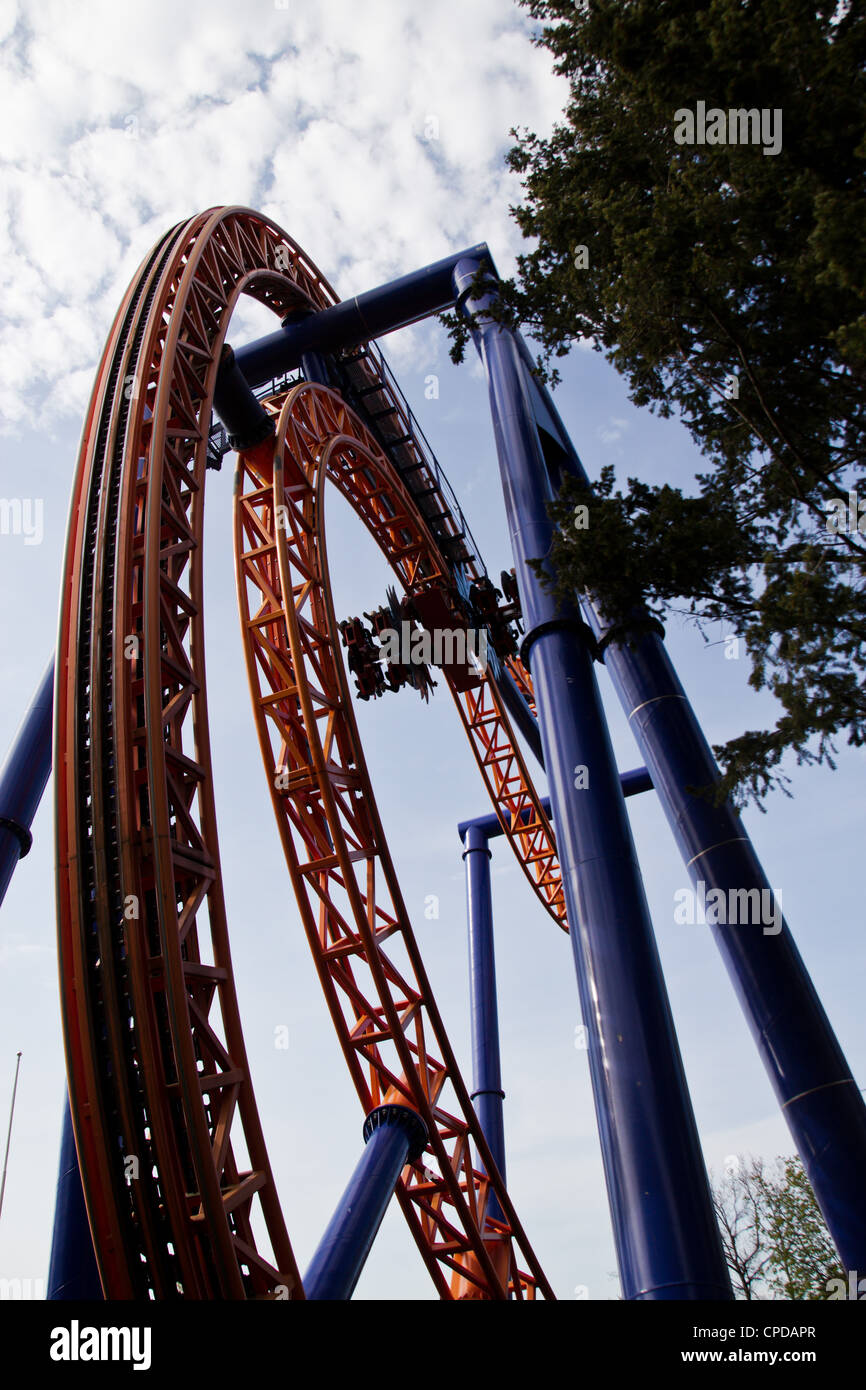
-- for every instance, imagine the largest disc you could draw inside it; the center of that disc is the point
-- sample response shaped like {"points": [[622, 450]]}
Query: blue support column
{"points": [[246, 421], [22, 781], [820, 1100], [487, 1092], [634, 782], [393, 1136], [315, 368], [72, 1272], [353, 321], [665, 1231]]}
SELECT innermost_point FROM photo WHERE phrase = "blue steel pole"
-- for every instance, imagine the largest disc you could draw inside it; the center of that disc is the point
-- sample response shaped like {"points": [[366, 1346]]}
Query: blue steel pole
{"points": [[632, 783], [820, 1100], [665, 1231], [393, 1136], [354, 321], [72, 1273], [487, 1092], [22, 781], [823, 1107]]}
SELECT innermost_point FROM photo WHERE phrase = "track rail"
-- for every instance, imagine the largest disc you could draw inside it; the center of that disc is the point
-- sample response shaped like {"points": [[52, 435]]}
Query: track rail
{"points": [[381, 1003], [174, 1165]]}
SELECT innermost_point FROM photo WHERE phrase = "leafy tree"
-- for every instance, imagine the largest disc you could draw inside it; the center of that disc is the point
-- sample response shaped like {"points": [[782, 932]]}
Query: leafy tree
{"points": [[775, 1240], [803, 1258], [728, 286]]}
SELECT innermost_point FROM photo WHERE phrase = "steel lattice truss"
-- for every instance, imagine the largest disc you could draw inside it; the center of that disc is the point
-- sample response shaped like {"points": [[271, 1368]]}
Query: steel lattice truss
{"points": [[174, 1165]]}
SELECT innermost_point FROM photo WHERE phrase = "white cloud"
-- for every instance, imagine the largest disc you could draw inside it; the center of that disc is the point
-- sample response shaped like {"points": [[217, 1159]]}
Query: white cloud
{"points": [[613, 431], [126, 118]]}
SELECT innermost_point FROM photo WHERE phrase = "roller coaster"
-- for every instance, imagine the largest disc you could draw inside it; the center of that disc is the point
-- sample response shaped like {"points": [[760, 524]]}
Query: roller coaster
{"points": [[178, 1188]]}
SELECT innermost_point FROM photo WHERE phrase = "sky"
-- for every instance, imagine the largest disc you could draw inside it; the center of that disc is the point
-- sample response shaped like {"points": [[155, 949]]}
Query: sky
{"points": [[375, 135]]}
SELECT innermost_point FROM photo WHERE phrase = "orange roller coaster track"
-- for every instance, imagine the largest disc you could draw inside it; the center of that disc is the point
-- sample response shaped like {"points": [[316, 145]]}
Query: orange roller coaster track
{"points": [[173, 1160]]}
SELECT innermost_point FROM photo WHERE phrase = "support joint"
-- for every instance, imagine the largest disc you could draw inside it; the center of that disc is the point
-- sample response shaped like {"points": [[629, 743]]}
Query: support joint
{"points": [[21, 833], [576, 625], [619, 631], [402, 1117]]}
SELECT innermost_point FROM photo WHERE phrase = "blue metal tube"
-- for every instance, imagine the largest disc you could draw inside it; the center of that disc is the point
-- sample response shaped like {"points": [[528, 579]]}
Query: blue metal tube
{"points": [[665, 1231], [487, 1092], [315, 368], [72, 1272], [820, 1100], [632, 783], [22, 781], [355, 321], [812, 1080], [246, 421], [393, 1136]]}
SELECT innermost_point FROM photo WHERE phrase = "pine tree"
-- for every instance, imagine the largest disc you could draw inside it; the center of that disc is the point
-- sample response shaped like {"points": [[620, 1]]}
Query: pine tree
{"points": [[727, 284]]}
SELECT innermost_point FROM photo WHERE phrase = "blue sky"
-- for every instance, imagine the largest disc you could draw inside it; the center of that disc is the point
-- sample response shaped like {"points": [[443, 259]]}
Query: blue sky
{"points": [[117, 124]]}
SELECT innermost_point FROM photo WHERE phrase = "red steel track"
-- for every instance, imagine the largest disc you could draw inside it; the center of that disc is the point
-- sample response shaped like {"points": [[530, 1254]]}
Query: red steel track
{"points": [[179, 1188]]}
